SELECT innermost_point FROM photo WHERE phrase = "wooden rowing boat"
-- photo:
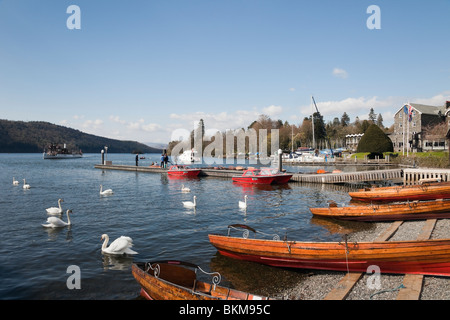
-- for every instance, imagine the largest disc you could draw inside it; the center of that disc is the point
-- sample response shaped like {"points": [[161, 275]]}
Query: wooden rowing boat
{"points": [[427, 257], [411, 210], [426, 191], [177, 280]]}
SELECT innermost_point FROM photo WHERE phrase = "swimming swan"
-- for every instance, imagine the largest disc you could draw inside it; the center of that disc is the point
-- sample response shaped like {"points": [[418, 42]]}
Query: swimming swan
{"points": [[243, 204], [56, 210], [185, 189], [190, 204], [105, 192], [25, 185], [15, 182], [119, 246], [54, 222]]}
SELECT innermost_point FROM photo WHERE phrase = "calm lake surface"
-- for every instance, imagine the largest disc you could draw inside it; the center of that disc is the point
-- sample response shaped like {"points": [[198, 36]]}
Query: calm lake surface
{"points": [[148, 208]]}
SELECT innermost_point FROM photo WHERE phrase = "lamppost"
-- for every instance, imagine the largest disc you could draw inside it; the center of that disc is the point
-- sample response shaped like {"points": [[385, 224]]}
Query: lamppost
{"points": [[106, 153]]}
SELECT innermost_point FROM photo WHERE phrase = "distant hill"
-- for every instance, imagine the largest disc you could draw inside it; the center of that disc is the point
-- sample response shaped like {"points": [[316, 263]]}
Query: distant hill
{"points": [[34, 136]]}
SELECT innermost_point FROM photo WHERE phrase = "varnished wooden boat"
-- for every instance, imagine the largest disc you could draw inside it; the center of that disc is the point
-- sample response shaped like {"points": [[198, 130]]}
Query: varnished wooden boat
{"points": [[411, 210], [426, 191], [177, 280], [427, 257]]}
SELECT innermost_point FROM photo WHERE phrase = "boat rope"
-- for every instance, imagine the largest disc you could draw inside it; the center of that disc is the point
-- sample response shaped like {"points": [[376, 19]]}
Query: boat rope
{"points": [[387, 290], [346, 254]]}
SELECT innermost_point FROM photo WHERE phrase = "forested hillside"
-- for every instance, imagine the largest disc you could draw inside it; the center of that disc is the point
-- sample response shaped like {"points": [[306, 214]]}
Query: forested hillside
{"points": [[34, 136]]}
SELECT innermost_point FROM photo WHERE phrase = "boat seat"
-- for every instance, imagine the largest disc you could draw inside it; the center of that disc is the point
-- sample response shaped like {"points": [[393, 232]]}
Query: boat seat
{"points": [[178, 275]]}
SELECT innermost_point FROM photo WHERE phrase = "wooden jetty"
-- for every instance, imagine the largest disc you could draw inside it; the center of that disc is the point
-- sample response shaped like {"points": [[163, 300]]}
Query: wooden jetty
{"points": [[220, 173], [412, 282], [408, 176], [346, 177], [326, 178]]}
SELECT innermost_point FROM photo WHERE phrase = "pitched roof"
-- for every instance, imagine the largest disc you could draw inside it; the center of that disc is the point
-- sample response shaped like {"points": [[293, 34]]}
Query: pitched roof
{"points": [[425, 109]]}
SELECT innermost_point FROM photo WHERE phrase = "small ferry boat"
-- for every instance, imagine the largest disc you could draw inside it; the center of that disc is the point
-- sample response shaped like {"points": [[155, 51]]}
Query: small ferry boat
{"points": [[262, 176], [57, 152], [182, 171]]}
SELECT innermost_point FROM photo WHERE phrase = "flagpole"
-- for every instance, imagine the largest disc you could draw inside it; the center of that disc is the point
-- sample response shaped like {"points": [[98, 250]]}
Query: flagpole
{"points": [[403, 128], [407, 136], [312, 118]]}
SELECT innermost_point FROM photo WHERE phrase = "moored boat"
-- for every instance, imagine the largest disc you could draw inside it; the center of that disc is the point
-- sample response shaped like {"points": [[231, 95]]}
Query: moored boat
{"points": [[177, 280], [280, 177], [183, 171], [262, 176], [427, 257], [426, 191], [411, 210]]}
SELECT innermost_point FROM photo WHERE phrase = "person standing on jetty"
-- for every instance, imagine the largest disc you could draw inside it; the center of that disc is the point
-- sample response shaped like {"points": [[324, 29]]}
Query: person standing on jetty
{"points": [[162, 160], [166, 159], [137, 159]]}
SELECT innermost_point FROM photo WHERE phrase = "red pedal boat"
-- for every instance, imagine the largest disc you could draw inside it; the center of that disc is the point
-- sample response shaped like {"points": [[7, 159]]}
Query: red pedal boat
{"points": [[182, 171], [262, 176]]}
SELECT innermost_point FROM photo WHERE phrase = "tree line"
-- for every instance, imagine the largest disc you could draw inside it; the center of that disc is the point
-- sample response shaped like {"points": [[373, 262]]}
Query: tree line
{"points": [[35, 136]]}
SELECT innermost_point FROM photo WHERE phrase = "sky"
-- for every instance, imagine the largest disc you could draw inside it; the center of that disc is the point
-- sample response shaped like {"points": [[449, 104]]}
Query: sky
{"points": [[143, 69]]}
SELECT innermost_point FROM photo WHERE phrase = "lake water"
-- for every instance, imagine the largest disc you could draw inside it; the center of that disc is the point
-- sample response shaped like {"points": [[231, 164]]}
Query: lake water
{"points": [[148, 208]]}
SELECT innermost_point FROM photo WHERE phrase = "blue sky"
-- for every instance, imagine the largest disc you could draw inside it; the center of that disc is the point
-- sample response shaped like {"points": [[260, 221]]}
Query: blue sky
{"points": [[141, 69]]}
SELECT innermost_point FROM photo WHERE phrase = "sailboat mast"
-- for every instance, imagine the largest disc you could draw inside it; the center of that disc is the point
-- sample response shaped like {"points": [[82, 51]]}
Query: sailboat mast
{"points": [[328, 139], [312, 120]]}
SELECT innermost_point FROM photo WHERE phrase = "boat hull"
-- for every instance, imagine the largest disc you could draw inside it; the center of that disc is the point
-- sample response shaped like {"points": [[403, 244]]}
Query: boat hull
{"points": [[183, 285], [429, 257], [282, 178], [438, 209], [184, 173], [62, 156], [254, 180], [404, 193]]}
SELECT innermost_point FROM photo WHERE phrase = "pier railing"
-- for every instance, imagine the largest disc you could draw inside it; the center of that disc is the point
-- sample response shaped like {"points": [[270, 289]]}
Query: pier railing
{"points": [[416, 176], [343, 177]]}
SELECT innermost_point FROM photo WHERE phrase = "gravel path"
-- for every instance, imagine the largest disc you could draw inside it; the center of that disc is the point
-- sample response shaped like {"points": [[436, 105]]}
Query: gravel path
{"points": [[319, 283]]}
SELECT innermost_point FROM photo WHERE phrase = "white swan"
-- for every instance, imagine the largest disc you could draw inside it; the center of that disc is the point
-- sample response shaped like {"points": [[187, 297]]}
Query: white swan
{"points": [[190, 204], [105, 192], [185, 189], [243, 204], [25, 185], [54, 222], [15, 182], [56, 210], [119, 246]]}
